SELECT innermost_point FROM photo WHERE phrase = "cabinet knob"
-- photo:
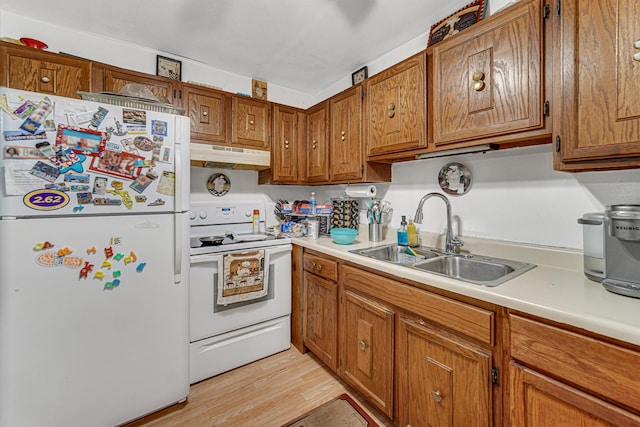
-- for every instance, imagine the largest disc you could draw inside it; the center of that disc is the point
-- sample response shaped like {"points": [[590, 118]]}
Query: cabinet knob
{"points": [[286, 143], [319, 268], [391, 110], [314, 144], [637, 44], [436, 396], [363, 346], [45, 79], [251, 122], [204, 113], [343, 135], [313, 265], [478, 80]]}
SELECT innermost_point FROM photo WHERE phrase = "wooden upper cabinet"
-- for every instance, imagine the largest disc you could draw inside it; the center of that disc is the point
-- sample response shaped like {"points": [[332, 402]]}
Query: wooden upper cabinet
{"points": [[346, 150], [598, 123], [209, 111], [251, 123], [37, 71], [317, 148], [107, 78], [488, 80], [287, 143], [395, 108]]}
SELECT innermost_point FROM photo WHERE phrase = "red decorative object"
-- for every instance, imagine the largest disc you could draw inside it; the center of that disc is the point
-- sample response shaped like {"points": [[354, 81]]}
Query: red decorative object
{"points": [[37, 44]]}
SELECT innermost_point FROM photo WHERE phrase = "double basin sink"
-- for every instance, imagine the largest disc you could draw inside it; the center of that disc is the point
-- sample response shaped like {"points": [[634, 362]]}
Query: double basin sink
{"points": [[476, 269]]}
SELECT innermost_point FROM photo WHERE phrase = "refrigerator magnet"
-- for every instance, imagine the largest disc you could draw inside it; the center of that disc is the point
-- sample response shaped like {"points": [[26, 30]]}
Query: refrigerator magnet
{"points": [[141, 183], [82, 141], [120, 165], [158, 127]]}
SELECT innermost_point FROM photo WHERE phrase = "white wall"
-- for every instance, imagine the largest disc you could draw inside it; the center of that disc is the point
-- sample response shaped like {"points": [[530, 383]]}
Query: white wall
{"points": [[134, 57], [515, 195]]}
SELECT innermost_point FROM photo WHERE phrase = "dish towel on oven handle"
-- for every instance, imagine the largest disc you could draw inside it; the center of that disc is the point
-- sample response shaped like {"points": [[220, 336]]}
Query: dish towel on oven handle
{"points": [[245, 277]]}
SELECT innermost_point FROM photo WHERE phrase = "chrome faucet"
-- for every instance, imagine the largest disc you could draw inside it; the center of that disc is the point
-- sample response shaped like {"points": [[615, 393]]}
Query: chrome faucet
{"points": [[451, 243]]}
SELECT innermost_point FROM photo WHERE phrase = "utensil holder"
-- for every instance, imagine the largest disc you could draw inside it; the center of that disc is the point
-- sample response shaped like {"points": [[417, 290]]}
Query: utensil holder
{"points": [[376, 232]]}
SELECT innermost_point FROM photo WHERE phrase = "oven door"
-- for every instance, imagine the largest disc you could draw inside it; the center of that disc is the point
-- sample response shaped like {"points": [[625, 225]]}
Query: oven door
{"points": [[208, 318]]}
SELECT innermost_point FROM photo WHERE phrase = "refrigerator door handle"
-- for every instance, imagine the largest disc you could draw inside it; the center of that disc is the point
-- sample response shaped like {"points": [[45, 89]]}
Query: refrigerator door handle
{"points": [[181, 256], [178, 177]]}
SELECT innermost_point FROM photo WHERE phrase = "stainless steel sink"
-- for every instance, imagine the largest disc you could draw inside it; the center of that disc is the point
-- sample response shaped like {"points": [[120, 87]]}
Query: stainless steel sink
{"points": [[476, 269], [484, 271], [397, 254]]}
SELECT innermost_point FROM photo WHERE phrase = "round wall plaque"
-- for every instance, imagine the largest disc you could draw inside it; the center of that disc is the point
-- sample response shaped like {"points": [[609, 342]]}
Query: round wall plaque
{"points": [[219, 184], [455, 179]]}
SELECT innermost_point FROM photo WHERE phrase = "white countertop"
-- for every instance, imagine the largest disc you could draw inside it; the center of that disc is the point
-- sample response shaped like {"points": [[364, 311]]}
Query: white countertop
{"points": [[556, 289]]}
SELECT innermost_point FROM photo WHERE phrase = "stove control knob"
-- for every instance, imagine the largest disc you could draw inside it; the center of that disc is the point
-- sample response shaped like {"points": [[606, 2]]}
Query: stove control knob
{"points": [[192, 215], [203, 214], [248, 213]]}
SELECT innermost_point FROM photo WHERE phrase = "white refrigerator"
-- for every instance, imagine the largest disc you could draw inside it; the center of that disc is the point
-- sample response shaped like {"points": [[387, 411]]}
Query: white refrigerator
{"points": [[94, 266]]}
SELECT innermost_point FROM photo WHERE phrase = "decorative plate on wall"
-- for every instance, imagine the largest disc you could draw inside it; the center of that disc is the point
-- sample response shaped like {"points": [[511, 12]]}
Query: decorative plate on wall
{"points": [[219, 184], [455, 178]]}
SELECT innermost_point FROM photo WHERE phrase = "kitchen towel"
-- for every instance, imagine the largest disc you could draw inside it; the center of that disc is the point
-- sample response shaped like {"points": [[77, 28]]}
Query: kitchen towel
{"points": [[245, 277]]}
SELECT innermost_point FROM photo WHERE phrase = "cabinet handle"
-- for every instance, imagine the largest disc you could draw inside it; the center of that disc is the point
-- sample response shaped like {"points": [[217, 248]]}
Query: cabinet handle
{"points": [[478, 81], [437, 396], [319, 268], [363, 346], [45, 79], [391, 110], [314, 144]]}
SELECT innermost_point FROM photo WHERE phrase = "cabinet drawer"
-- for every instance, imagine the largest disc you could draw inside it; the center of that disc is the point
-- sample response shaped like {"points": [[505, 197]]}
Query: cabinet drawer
{"points": [[471, 321], [323, 267], [606, 369]]}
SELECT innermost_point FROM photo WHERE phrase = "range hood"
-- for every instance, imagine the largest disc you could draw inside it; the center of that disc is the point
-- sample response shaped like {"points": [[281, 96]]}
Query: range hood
{"points": [[224, 157]]}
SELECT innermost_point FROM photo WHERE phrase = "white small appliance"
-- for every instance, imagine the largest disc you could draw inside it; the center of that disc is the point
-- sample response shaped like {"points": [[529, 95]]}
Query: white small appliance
{"points": [[234, 318]]}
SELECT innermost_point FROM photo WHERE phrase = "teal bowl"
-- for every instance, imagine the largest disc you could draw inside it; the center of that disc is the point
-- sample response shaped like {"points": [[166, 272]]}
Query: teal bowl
{"points": [[344, 236]]}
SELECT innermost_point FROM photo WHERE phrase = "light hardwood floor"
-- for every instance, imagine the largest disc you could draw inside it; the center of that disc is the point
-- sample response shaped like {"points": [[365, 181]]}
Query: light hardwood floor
{"points": [[269, 392]]}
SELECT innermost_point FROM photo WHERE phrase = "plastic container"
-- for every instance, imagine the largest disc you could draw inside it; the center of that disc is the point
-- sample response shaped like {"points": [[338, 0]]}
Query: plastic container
{"points": [[403, 235], [412, 234], [255, 221], [313, 229]]}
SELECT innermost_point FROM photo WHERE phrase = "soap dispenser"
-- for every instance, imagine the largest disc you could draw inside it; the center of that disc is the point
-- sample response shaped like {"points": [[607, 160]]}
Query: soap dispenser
{"points": [[403, 236]]}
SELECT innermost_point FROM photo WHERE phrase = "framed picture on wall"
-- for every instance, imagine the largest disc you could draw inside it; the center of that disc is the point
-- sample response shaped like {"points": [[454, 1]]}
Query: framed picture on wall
{"points": [[458, 21], [168, 67]]}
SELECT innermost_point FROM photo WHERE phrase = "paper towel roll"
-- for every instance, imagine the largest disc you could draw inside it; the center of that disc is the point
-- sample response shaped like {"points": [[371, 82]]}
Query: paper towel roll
{"points": [[363, 190]]}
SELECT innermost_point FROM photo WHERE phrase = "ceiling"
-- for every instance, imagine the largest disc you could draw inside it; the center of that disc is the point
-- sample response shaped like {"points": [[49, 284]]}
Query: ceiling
{"points": [[305, 45]]}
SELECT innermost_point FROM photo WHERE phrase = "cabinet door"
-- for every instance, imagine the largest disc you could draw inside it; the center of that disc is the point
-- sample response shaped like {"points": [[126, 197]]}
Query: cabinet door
{"points": [[208, 111], [36, 71], [251, 122], [537, 400], [443, 381], [487, 81], [395, 103], [114, 79], [318, 143], [284, 152], [600, 114], [367, 349], [321, 319], [346, 151]]}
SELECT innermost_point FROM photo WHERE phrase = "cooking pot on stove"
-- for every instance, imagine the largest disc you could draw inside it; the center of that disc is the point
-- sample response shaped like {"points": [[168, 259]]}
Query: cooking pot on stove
{"points": [[211, 240]]}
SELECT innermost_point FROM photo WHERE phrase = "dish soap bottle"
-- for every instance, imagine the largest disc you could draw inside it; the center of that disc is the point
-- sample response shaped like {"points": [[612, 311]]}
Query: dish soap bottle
{"points": [[403, 236], [412, 234], [312, 203]]}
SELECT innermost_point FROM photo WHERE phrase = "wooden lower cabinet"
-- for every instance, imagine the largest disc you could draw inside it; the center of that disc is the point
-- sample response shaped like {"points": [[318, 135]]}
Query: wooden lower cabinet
{"points": [[367, 349], [321, 318], [537, 400], [442, 380]]}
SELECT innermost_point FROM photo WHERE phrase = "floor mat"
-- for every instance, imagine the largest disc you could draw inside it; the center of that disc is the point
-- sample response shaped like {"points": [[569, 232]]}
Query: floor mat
{"points": [[342, 411]]}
